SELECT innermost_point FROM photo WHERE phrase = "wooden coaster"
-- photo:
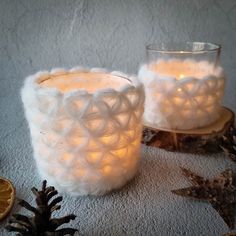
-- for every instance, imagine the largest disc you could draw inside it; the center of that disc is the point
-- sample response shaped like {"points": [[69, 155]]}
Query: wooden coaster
{"points": [[201, 140]]}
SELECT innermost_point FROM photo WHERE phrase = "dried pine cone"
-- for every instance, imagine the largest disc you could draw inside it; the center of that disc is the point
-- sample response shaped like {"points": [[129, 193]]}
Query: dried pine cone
{"points": [[41, 224], [229, 143]]}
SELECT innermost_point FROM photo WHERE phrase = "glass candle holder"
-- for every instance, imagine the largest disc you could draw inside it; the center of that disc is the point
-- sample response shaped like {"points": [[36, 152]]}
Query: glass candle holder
{"points": [[85, 128], [184, 85]]}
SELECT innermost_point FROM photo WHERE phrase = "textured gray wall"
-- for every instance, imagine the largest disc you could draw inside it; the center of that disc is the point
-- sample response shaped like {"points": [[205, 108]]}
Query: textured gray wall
{"points": [[103, 33], [107, 33], [41, 34]]}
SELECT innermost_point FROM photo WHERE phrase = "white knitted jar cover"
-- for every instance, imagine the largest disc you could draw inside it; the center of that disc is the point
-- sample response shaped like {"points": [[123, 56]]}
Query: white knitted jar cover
{"points": [[182, 104], [84, 143]]}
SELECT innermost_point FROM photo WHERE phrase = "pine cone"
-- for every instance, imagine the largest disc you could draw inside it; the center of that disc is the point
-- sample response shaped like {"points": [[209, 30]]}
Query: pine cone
{"points": [[229, 143], [41, 224]]}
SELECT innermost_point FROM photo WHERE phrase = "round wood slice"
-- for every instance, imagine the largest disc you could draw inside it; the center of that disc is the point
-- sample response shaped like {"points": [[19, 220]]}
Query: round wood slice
{"points": [[202, 140]]}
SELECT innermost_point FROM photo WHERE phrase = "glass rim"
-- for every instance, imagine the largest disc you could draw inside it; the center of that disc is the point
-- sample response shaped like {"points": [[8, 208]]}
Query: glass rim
{"points": [[165, 47], [36, 80]]}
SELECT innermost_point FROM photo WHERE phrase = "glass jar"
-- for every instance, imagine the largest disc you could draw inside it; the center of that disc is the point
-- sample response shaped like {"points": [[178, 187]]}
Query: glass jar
{"points": [[86, 127], [184, 85]]}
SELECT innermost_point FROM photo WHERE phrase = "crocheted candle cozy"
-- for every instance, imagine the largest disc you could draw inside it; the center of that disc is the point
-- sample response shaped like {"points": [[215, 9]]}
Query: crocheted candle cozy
{"points": [[182, 95], [85, 128]]}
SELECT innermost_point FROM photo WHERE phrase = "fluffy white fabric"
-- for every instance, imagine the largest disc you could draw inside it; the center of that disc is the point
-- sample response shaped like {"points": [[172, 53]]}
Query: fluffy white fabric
{"points": [[182, 103], [84, 143]]}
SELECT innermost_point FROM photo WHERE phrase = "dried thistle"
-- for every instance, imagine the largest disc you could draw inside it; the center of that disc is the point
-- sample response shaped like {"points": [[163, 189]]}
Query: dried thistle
{"points": [[228, 144], [220, 192], [233, 233]]}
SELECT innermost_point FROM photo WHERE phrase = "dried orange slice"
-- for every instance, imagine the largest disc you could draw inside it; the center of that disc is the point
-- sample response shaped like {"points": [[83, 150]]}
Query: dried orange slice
{"points": [[7, 197]]}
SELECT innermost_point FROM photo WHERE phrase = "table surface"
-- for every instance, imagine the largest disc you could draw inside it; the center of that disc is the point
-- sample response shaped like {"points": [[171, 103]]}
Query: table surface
{"points": [[145, 206]]}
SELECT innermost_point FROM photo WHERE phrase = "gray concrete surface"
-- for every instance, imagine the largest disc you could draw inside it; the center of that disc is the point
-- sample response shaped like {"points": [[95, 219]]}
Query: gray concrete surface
{"points": [[41, 34]]}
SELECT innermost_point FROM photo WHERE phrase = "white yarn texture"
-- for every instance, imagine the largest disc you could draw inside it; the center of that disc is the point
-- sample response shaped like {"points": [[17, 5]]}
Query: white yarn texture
{"points": [[84, 143], [186, 103]]}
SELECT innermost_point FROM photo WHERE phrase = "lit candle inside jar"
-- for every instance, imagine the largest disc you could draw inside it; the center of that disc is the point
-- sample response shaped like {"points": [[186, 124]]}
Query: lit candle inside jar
{"points": [[183, 89], [86, 127]]}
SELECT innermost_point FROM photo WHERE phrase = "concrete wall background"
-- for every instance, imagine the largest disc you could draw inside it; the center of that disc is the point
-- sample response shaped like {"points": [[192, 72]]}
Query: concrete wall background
{"points": [[43, 34]]}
